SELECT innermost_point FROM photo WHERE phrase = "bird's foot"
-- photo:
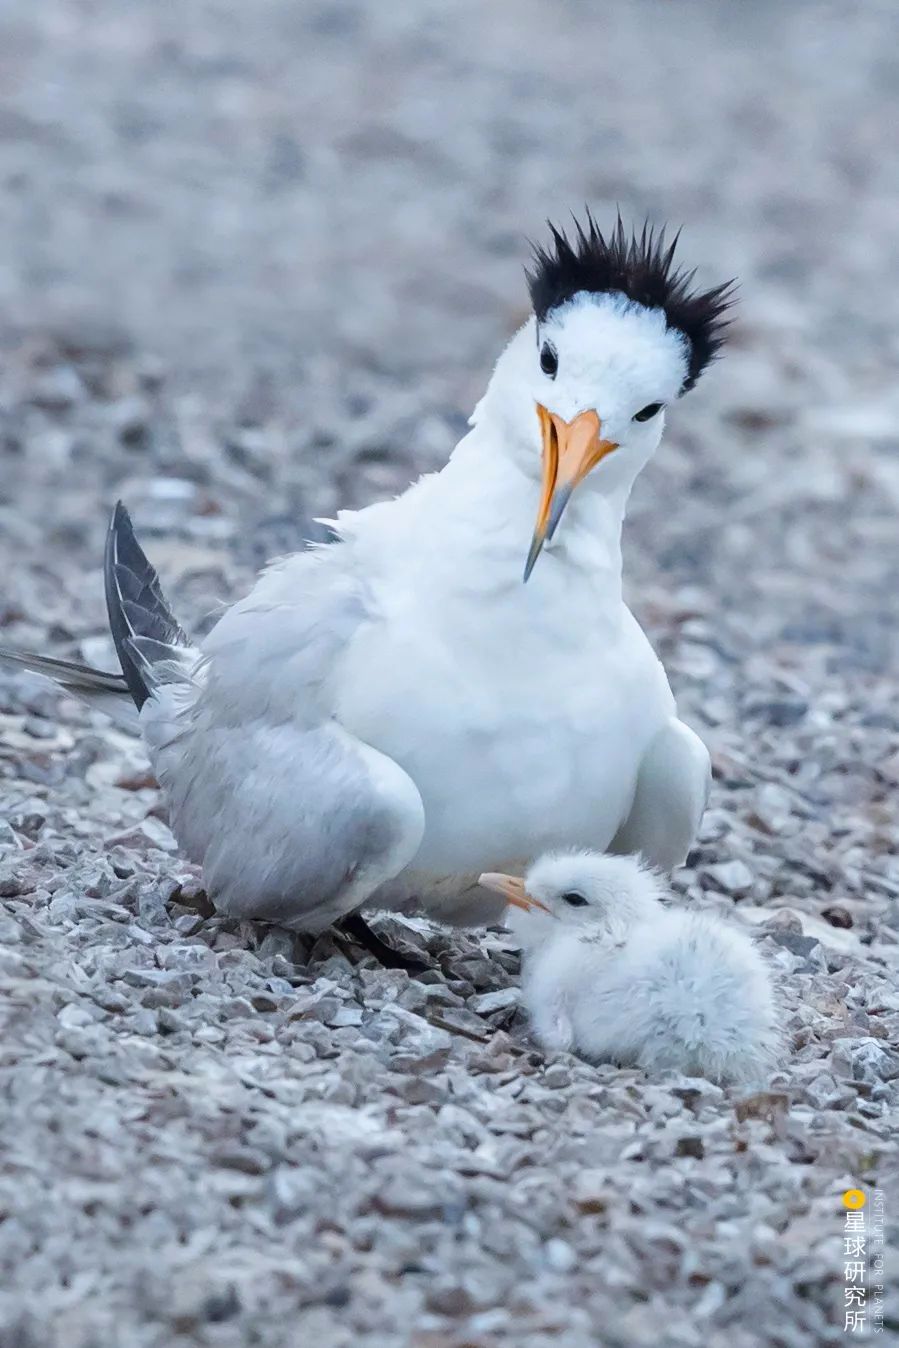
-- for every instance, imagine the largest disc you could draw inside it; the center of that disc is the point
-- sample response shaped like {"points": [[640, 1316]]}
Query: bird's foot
{"points": [[356, 927]]}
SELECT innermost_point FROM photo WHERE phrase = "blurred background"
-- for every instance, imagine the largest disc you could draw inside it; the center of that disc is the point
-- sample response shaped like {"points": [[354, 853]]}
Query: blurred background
{"points": [[257, 259]]}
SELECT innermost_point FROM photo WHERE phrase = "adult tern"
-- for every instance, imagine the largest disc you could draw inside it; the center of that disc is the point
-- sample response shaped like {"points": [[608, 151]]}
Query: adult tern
{"points": [[384, 718]]}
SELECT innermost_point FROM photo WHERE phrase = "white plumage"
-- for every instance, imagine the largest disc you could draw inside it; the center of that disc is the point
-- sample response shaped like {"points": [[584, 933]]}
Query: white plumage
{"points": [[611, 973], [382, 719]]}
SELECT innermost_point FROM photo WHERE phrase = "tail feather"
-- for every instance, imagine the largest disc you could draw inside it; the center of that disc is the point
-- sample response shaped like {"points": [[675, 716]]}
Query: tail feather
{"points": [[152, 647], [143, 626], [99, 688], [69, 674]]}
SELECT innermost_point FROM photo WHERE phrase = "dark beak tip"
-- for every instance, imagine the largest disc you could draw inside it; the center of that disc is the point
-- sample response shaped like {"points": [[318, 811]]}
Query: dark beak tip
{"points": [[535, 550]]}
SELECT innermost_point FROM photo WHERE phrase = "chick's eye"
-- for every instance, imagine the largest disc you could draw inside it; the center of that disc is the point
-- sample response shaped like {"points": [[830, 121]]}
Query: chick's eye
{"points": [[574, 898], [648, 412], [549, 360]]}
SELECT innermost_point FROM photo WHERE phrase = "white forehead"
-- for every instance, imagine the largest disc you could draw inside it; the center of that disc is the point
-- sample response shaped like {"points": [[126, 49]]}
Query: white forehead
{"points": [[607, 881], [621, 349]]}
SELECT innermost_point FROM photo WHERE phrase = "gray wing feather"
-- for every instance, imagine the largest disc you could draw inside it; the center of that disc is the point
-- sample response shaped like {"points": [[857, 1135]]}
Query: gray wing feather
{"points": [[70, 674], [152, 647], [137, 610], [295, 822], [99, 688], [292, 819]]}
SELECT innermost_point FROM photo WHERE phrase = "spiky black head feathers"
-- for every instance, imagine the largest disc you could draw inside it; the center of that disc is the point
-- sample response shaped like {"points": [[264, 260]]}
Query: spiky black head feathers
{"points": [[640, 267]]}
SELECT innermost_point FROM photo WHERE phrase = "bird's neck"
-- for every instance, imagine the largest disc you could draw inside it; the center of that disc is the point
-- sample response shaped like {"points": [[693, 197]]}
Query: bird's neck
{"points": [[466, 531], [490, 501]]}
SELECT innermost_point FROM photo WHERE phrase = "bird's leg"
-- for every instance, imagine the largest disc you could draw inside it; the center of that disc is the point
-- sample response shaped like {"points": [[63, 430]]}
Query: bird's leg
{"points": [[356, 927]]}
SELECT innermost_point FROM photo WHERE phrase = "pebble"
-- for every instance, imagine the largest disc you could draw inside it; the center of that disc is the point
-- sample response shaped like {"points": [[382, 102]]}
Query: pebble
{"points": [[824, 1092], [733, 877], [866, 1060], [502, 999], [560, 1256]]}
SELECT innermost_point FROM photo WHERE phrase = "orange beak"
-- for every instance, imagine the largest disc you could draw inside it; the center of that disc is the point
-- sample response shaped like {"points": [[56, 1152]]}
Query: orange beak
{"points": [[512, 890], [570, 450]]}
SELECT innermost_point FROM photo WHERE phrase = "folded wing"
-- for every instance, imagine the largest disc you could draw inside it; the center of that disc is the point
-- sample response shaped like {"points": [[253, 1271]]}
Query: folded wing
{"points": [[292, 818]]}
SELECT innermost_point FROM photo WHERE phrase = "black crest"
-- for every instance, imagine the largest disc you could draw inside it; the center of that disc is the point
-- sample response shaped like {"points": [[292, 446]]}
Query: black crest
{"points": [[640, 267]]}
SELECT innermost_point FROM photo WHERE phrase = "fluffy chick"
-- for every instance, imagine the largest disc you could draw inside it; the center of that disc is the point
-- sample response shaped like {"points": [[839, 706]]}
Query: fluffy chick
{"points": [[609, 972]]}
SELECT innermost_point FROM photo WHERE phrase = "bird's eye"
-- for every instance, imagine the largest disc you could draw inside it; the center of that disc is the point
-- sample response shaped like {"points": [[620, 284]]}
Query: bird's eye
{"points": [[648, 412], [574, 898], [549, 360]]}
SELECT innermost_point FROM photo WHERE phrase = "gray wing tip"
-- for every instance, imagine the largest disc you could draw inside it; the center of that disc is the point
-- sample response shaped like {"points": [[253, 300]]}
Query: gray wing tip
{"points": [[135, 605], [119, 525]]}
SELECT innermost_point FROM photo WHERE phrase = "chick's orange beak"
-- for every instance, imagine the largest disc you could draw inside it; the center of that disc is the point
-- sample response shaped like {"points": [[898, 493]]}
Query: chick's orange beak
{"points": [[512, 889], [570, 450]]}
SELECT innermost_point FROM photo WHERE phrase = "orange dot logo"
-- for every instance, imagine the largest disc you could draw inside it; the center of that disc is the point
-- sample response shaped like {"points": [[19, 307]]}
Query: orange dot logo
{"points": [[854, 1199]]}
